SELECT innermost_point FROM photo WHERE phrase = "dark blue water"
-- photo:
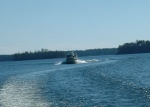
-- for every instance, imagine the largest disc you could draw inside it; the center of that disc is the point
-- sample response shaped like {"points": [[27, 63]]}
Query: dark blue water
{"points": [[101, 81]]}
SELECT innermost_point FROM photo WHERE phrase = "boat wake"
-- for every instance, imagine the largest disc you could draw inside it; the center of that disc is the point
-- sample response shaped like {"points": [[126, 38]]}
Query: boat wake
{"points": [[92, 60], [58, 63], [87, 61], [79, 61], [16, 93]]}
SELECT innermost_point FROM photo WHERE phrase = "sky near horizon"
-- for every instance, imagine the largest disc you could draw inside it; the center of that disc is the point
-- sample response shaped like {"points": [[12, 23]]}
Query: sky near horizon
{"points": [[29, 25]]}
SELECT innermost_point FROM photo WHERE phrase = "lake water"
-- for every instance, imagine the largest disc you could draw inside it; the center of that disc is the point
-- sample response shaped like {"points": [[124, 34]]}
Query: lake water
{"points": [[97, 81]]}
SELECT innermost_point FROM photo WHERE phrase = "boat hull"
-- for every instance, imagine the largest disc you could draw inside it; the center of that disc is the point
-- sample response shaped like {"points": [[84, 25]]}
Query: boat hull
{"points": [[70, 61]]}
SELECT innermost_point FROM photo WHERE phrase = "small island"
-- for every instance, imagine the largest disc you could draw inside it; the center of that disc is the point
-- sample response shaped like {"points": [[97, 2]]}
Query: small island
{"points": [[140, 46]]}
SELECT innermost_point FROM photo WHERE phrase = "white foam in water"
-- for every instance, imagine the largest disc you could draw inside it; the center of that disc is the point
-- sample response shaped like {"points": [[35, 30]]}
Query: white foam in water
{"points": [[80, 61], [59, 63], [15, 94], [93, 60]]}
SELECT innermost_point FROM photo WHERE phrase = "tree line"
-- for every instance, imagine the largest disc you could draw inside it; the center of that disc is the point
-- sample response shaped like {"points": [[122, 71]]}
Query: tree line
{"points": [[46, 54], [140, 46], [6, 57], [43, 54]]}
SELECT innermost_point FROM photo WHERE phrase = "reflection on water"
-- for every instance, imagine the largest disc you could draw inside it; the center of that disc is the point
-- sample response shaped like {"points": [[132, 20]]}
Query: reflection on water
{"points": [[21, 94]]}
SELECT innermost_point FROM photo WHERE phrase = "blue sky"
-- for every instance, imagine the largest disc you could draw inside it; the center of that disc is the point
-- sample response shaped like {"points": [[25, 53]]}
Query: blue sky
{"points": [[29, 25]]}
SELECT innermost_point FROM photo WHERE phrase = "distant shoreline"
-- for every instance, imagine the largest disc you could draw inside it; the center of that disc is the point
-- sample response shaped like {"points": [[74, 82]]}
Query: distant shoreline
{"points": [[139, 46], [45, 54]]}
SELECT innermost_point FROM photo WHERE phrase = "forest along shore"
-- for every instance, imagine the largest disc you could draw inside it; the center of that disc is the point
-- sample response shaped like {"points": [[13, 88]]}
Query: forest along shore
{"points": [[46, 54]]}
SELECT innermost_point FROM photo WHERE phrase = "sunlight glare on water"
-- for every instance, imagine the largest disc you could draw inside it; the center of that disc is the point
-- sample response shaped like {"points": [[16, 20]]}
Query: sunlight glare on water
{"points": [[16, 94]]}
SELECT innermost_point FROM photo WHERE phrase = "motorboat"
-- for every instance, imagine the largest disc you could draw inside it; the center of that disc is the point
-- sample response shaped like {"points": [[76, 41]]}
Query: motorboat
{"points": [[71, 58]]}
